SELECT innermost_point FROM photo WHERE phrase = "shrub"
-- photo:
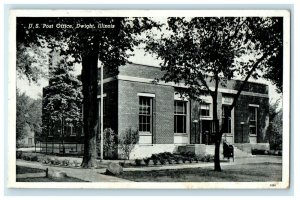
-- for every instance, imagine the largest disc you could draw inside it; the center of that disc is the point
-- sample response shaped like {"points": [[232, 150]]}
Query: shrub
{"points": [[29, 157], [128, 140], [109, 141], [19, 154], [162, 161], [177, 159], [33, 158], [154, 156], [76, 163], [170, 161], [266, 152], [46, 161], [65, 162], [164, 155], [271, 152], [258, 152], [146, 161], [56, 162], [138, 162], [207, 158], [155, 161]]}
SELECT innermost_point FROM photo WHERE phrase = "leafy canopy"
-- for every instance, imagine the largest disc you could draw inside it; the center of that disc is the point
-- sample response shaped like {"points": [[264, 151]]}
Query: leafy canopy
{"points": [[199, 50]]}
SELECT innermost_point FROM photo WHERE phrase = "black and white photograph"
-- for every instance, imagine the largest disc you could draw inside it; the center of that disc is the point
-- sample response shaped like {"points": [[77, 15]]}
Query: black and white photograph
{"points": [[149, 99]]}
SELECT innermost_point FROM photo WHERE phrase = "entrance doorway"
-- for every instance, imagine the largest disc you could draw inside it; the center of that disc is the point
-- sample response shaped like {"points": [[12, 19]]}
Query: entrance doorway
{"points": [[207, 132]]}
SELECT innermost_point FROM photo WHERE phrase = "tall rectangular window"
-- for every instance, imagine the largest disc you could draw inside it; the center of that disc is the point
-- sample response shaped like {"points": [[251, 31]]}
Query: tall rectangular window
{"points": [[180, 113], [253, 120], [145, 114], [226, 122], [204, 110]]}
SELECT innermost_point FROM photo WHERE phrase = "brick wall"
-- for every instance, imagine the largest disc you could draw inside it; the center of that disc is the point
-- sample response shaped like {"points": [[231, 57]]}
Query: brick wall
{"points": [[242, 114], [111, 105], [151, 72], [163, 109]]}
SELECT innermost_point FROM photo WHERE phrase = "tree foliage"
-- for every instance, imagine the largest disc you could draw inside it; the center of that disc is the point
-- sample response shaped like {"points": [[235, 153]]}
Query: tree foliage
{"points": [[202, 50], [28, 115], [62, 98], [275, 126], [110, 46], [31, 62]]}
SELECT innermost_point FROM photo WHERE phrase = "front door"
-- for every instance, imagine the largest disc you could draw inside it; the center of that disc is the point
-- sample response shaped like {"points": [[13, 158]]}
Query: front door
{"points": [[207, 132]]}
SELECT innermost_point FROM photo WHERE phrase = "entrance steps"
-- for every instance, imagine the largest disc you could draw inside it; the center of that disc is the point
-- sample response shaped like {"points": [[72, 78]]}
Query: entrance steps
{"points": [[210, 149]]}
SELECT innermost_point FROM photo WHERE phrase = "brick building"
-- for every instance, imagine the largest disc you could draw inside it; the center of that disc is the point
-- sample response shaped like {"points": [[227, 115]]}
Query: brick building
{"points": [[165, 120]]}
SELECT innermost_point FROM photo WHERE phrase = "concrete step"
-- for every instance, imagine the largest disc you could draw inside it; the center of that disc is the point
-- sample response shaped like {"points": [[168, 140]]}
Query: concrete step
{"points": [[210, 149], [241, 154]]}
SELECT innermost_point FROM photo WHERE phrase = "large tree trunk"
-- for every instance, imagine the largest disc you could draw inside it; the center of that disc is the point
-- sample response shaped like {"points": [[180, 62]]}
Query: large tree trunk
{"points": [[217, 134], [90, 106]]}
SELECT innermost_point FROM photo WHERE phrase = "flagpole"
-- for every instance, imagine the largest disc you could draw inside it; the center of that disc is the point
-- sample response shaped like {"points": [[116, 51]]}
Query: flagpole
{"points": [[101, 116]]}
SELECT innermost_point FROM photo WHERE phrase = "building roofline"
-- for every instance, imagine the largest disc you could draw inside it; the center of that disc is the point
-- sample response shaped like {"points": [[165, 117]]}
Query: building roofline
{"points": [[234, 79], [146, 65]]}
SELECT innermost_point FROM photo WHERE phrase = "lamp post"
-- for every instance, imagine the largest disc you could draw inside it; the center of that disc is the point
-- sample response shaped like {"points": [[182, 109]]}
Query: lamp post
{"points": [[242, 124]]}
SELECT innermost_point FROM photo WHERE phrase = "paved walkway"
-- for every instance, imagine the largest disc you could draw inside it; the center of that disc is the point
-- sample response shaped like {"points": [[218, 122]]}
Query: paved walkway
{"points": [[95, 175]]}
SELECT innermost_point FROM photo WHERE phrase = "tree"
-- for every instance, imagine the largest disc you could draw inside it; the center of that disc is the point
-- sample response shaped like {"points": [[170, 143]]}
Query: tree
{"points": [[274, 72], [128, 141], [196, 51], [275, 126], [87, 41], [28, 116], [31, 62], [62, 98], [22, 108], [35, 116]]}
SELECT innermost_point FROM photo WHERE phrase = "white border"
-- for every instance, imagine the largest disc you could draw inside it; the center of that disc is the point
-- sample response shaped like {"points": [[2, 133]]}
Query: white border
{"points": [[144, 13]]}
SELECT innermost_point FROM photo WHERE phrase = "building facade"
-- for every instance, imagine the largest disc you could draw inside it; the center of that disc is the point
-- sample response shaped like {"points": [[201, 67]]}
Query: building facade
{"points": [[165, 120]]}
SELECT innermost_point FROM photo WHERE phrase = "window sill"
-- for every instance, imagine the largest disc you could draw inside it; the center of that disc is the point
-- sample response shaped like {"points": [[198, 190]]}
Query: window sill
{"points": [[252, 135], [145, 133], [181, 134], [145, 144]]}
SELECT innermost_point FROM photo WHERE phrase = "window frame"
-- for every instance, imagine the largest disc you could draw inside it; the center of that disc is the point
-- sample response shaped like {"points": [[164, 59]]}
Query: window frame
{"points": [[251, 120], [184, 115], [208, 109], [150, 115]]}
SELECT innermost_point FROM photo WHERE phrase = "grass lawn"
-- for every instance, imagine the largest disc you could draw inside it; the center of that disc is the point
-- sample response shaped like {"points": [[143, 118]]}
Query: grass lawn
{"points": [[26, 170], [44, 179], [260, 172]]}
